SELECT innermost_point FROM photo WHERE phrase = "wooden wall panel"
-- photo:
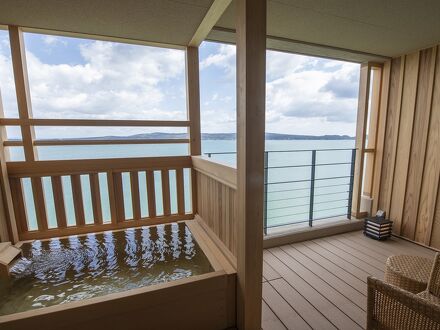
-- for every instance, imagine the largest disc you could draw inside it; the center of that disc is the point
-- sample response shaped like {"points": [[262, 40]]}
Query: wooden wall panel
{"points": [[404, 138], [216, 205], [411, 161], [390, 143], [431, 172], [418, 143], [435, 238]]}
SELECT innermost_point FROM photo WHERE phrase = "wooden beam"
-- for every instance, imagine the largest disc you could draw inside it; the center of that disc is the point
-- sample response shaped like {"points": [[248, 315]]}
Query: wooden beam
{"points": [[193, 99], [93, 122], [193, 108], [22, 90], [88, 142], [213, 14], [8, 226], [361, 131], [251, 92]]}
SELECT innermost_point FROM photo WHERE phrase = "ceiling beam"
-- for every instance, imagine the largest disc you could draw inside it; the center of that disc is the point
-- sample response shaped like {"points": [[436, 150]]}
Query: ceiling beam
{"points": [[226, 35], [216, 10]]}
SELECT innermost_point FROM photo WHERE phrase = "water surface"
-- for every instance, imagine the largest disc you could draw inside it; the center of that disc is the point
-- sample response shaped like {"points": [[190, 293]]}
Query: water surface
{"points": [[58, 271]]}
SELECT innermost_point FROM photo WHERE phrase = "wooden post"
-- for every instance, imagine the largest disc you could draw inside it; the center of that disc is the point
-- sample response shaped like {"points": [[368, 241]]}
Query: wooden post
{"points": [[8, 227], [361, 131], [22, 89], [251, 81], [193, 108]]}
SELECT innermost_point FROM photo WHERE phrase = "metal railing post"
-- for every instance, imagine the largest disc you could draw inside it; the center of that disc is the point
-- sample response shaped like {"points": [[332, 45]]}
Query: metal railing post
{"points": [[312, 187], [350, 188], [266, 170]]}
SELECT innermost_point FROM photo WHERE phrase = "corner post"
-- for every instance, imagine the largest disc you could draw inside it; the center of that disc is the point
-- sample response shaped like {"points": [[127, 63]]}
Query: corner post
{"points": [[193, 109], [361, 131], [251, 81]]}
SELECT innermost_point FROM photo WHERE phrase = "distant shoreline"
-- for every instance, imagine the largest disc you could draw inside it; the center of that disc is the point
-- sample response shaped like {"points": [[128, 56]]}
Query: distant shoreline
{"points": [[215, 136]]}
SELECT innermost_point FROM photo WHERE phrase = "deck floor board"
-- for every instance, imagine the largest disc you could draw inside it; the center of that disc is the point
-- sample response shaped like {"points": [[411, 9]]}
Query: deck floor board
{"points": [[321, 283]]}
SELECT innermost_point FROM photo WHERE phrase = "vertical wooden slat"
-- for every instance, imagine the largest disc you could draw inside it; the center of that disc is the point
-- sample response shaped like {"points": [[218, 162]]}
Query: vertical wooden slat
{"points": [[434, 233], [361, 130], [380, 138], [19, 204], [151, 194], [78, 202], [118, 196], [18, 56], [95, 192], [111, 197], [404, 140], [58, 197], [419, 142], [180, 191], [40, 203], [251, 91], [431, 173], [135, 199], [391, 132], [166, 192]]}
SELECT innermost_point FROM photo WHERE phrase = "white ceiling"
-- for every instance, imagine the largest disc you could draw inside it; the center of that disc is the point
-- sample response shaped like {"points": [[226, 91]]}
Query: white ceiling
{"points": [[360, 28]]}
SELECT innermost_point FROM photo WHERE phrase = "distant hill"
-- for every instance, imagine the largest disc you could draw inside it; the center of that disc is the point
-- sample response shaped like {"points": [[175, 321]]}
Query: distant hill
{"points": [[224, 136]]}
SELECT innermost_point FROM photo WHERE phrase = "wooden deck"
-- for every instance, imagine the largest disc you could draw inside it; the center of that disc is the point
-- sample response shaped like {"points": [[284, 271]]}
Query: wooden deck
{"points": [[321, 284]]}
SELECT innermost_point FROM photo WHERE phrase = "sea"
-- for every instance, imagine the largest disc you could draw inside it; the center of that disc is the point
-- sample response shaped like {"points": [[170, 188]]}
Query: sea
{"points": [[291, 194]]}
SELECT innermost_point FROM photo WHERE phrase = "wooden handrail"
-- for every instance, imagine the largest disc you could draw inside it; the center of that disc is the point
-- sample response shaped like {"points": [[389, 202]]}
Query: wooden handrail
{"points": [[82, 166], [219, 171]]}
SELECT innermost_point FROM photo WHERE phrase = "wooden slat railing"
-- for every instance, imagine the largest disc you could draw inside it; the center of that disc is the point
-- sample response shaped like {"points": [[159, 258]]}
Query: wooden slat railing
{"points": [[114, 169]]}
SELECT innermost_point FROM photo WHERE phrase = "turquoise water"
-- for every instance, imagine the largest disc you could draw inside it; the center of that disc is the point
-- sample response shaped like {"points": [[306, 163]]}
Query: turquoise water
{"points": [[288, 202]]}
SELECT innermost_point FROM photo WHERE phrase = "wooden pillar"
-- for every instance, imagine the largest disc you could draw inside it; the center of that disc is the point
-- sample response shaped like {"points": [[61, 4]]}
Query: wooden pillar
{"points": [[8, 227], [361, 131], [22, 89], [251, 81], [193, 109]]}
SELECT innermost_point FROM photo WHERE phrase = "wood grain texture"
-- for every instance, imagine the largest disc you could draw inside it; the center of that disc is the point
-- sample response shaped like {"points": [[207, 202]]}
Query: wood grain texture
{"points": [[19, 204], [95, 192], [151, 195], [78, 201], [180, 189], [418, 142], [40, 203], [435, 237], [380, 137], [251, 102], [165, 175], [411, 159], [216, 205], [391, 133], [135, 199], [431, 172], [58, 196], [361, 130], [404, 140]]}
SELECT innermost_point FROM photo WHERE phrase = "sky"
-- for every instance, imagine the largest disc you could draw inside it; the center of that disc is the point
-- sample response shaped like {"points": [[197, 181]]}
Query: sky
{"points": [[78, 78]]}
